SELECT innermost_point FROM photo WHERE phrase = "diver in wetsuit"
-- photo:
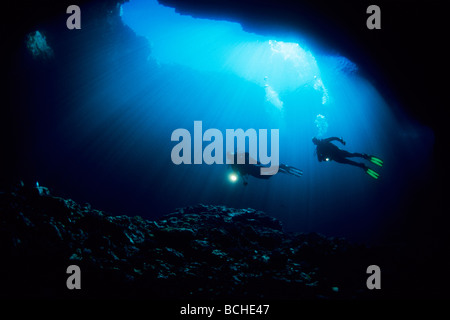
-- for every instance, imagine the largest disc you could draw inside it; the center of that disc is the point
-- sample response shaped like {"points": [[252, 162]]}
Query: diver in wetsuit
{"points": [[254, 170], [327, 151]]}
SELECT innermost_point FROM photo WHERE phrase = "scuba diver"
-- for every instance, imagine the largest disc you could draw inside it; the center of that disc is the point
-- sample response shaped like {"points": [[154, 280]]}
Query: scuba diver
{"points": [[247, 168], [327, 151]]}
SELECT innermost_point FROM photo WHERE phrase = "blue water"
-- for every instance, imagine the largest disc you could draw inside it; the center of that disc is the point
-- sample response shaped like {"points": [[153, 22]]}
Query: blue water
{"points": [[129, 101]]}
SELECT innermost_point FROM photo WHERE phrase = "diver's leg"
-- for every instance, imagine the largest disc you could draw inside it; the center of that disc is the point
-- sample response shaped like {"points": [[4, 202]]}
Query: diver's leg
{"points": [[365, 156], [282, 168], [346, 154], [290, 170], [255, 171], [366, 169], [351, 162]]}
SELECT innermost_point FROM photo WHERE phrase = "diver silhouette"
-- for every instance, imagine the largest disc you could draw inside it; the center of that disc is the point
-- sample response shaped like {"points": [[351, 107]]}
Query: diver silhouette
{"points": [[327, 151], [254, 169]]}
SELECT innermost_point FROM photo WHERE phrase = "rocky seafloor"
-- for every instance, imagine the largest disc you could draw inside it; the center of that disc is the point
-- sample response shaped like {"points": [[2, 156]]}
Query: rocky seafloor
{"points": [[198, 252]]}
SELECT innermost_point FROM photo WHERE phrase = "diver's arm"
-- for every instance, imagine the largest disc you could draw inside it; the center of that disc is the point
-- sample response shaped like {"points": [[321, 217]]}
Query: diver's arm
{"points": [[333, 139], [319, 157]]}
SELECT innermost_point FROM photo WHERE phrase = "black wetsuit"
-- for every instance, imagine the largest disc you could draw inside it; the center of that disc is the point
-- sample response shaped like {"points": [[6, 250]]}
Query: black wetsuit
{"points": [[254, 170], [327, 151], [247, 168]]}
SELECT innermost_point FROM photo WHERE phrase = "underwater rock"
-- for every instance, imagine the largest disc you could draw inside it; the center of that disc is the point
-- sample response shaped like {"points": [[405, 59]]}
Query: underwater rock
{"points": [[202, 251]]}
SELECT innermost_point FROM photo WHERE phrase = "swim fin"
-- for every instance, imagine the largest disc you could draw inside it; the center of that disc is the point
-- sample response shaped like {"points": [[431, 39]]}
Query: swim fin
{"points": [[295, 172], [376, 161], [290, 170], [372, 173]]}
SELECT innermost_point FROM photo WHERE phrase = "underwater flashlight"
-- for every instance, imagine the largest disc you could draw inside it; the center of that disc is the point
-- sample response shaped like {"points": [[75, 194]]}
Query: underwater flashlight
{"points": [[327, 159], [233, 177]]}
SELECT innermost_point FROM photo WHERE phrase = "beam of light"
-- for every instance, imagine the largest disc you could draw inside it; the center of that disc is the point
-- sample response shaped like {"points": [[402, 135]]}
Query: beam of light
{"points": [[273, 97], [222, 46], [214, 71], [233, 177]]}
